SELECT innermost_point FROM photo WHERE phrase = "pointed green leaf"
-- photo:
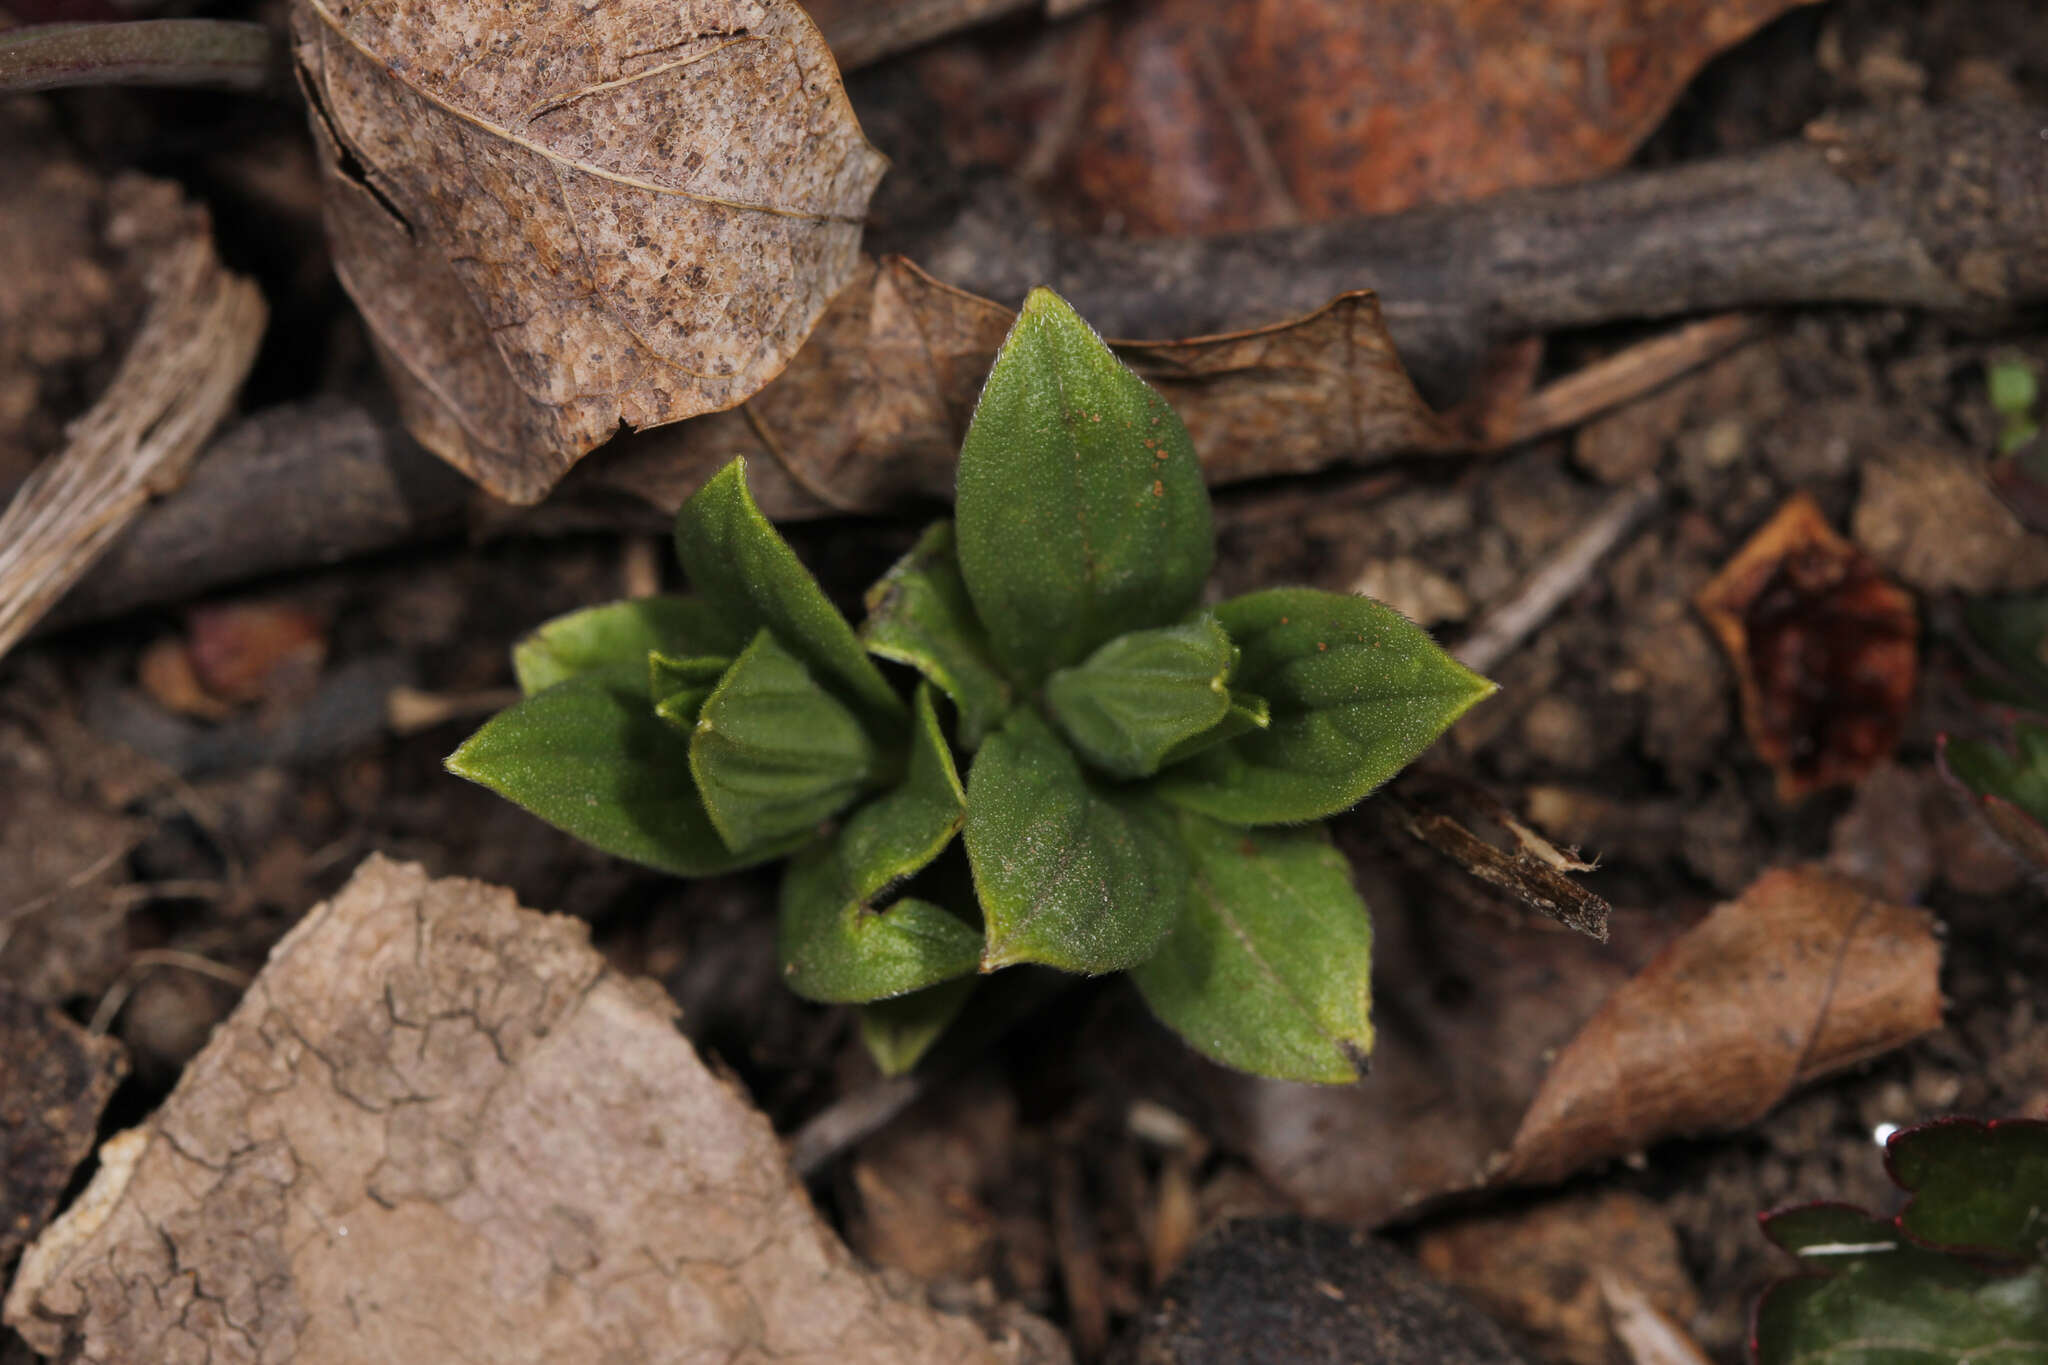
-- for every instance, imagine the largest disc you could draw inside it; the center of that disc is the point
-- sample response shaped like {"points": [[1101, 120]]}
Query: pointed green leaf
{"points": [[1081, 509], [1069, 872], [898, 1032], [1357, 691], [773, 753], [616, 639], [836, 943], [680, 687], [749, 573], [588, 756], [919, 614], [1269, 968], [1138, 697], [1246, 714]]}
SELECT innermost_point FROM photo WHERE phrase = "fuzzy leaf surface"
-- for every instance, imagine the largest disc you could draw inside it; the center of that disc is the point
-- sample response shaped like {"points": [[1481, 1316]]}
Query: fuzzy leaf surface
{"points": [[773, 753], [1356, 692], [898, 1032], [1069, 872], [591, 758], [1246, 714], [1081, 509], [836, 944], [1142, 695], [616, 638], [680, 687], [1270, 968], [748, 573], [919, 614]]}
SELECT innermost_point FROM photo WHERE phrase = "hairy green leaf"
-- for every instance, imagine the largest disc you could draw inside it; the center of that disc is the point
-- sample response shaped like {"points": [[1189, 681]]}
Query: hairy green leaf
{"points": [[774, 753], [898, 1032], [1081, 509], [1142, 695], [1269, 969], [749, 573], [1069, 872], [616, 638], [588, 756], [836, 943], [1956, 1279], [1246, 714], [919, 614], [680, 687], [1357, 691]]}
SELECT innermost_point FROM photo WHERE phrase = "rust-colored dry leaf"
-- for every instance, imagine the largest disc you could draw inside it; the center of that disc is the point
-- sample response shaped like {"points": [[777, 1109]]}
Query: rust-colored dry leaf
{"points": [[874, 407], [54, 1080], [1516, 1055], [1804, 975], [558, 220], [1193, 116], [1825, 650], [438, 1127]]}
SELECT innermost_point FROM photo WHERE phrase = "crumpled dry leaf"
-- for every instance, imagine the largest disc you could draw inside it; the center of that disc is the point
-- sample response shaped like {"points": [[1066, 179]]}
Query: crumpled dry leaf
{"points": [[1512, 1055], [438, 1126], [558, 221], [55, 1078], [873, 409], [1198, 117], [1825, 649]]}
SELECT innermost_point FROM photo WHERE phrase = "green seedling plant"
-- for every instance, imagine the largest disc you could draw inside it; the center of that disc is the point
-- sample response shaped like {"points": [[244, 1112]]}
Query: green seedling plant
{"points": [[1959, 1278], [1135, 778]]}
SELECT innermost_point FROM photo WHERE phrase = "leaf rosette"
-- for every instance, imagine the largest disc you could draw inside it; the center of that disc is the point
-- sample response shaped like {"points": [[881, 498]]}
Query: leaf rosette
{"points": [[1140, 773]]}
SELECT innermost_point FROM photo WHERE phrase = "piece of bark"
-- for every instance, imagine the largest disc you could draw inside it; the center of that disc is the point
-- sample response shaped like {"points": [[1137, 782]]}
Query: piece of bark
{"points": [[177, 379], [1511, 1055], [1933, 209], [54, 1081], [438, 1125], [1839, 215]]}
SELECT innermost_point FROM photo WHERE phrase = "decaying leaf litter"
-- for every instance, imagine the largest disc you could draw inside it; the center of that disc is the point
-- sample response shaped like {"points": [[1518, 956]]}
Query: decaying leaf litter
{"points": [[1071, 1145]]}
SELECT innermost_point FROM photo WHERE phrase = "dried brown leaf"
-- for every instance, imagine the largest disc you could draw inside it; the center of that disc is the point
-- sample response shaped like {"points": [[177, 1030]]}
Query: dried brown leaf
{"points": [[54, 1080], [1200, 117], [556, 221], [1516, 1055], [1824, 648], [874, 407], [1804, 975], [438, 1126]]}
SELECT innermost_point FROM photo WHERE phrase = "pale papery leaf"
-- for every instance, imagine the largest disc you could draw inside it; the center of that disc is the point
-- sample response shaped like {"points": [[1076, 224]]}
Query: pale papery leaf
{"points": [[556, 221]]}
